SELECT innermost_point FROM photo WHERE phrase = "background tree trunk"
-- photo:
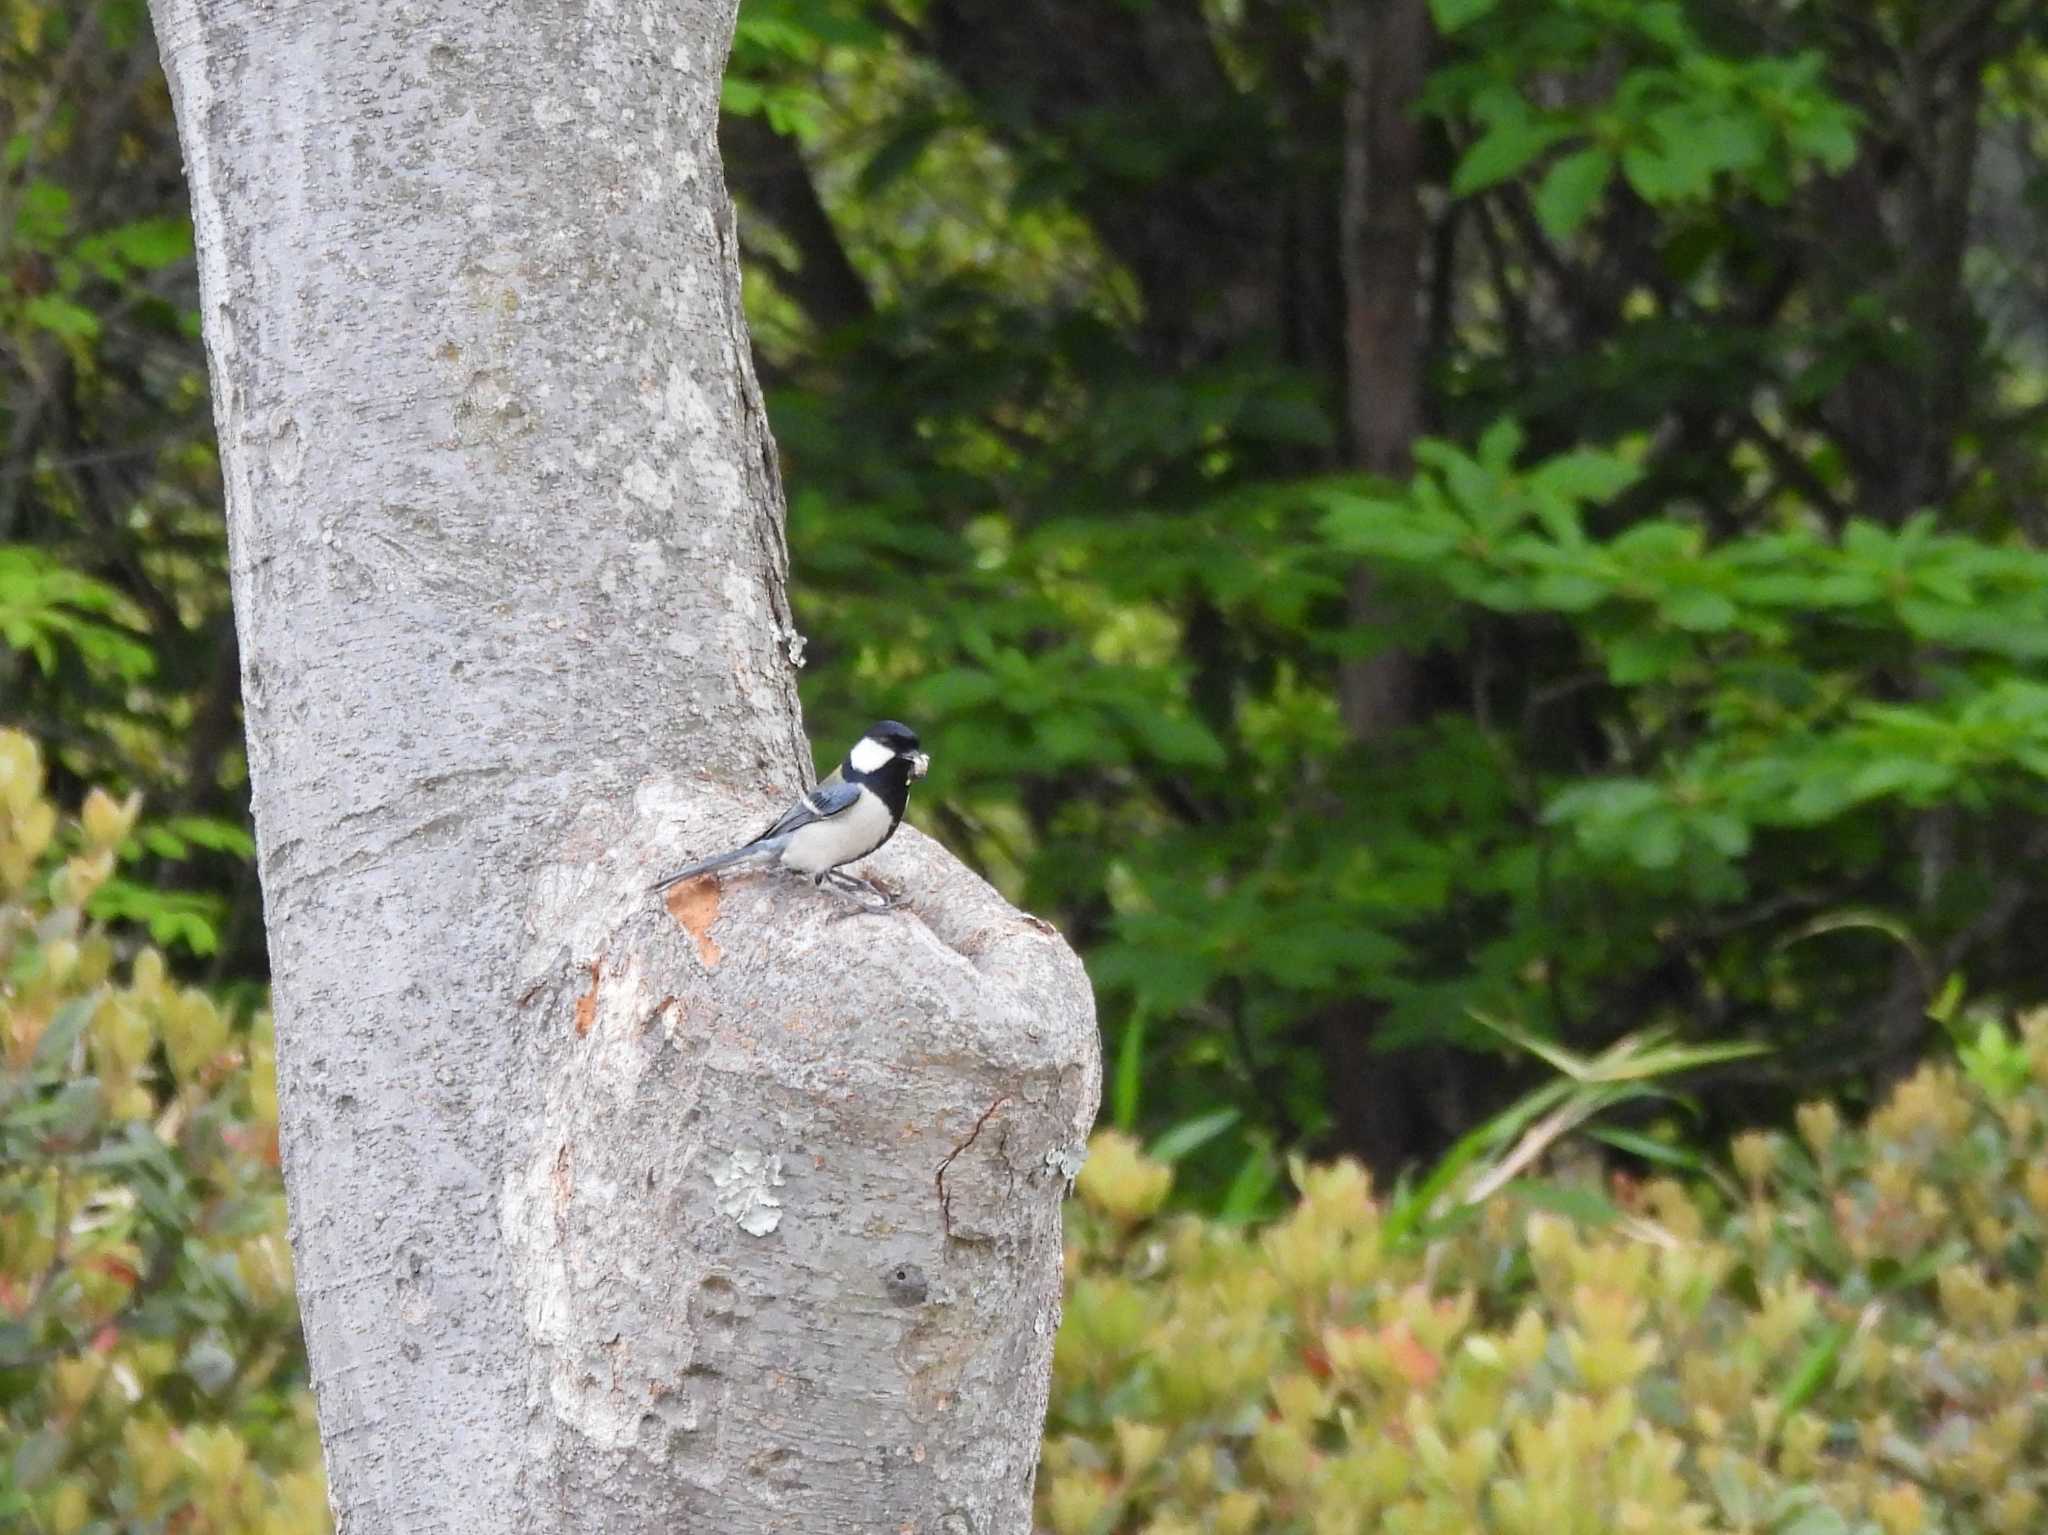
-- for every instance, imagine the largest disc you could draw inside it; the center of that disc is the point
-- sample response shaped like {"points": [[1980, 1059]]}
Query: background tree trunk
{"points": [[606, 1217], [1389, 1107]]}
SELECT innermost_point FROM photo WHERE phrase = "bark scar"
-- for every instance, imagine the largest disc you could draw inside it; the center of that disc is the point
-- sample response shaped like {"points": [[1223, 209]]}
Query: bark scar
{"points": [[945, 1200], [586, 1005], [694, 905], [565, 1188]]}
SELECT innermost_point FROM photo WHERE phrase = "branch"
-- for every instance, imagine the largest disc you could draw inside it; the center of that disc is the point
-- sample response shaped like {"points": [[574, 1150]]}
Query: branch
{"points": [[767, 168], [1794, 469]]}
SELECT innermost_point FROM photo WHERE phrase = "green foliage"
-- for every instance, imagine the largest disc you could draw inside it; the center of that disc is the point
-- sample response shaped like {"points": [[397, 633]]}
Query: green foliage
{"points": [[45, 605], [1649, 98], [1718, 589], [1841, 1332], [151, 1374], [54, 614], [1756, 660], [1733, 635], [116, 650], [775, 43]]}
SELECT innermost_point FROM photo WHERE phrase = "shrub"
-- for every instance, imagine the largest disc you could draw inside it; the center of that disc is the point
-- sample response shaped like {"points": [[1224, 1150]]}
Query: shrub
{"points": [[151, 1374], [1844, 1334], [1841, 1335]]}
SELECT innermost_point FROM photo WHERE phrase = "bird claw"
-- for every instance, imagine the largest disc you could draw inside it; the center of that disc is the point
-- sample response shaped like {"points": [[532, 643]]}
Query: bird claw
{"points": [[861, 890]]}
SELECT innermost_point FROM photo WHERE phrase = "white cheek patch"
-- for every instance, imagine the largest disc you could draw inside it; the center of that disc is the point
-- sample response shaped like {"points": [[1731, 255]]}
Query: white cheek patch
{"points": [[869, 756]]}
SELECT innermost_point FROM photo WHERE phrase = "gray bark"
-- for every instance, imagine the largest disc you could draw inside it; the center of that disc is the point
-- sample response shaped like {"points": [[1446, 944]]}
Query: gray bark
{"points": [[607, 1215]]}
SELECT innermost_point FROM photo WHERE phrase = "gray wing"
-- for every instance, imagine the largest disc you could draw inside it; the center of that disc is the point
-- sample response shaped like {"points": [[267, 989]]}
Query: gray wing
{"points": [[832, 797]]}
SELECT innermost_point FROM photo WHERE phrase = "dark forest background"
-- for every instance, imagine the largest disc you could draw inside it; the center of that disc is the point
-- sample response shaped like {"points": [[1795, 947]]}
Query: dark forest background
{"points": [[1404, 525]]}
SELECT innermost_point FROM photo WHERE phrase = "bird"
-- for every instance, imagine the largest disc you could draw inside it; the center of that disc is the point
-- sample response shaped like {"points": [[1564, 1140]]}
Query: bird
{"points": [[846, 817]]}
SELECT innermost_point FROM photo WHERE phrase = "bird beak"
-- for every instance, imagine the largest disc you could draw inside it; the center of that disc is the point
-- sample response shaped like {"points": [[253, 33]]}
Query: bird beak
{"points": [[920, 764]]}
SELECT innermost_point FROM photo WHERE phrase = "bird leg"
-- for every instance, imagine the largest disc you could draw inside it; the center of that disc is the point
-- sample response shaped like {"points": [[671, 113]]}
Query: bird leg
{"points": [[872, 897]]}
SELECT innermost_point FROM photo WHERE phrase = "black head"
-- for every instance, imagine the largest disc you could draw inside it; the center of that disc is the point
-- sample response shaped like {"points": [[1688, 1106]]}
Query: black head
{"points": [[895, 735], [889, 749]]}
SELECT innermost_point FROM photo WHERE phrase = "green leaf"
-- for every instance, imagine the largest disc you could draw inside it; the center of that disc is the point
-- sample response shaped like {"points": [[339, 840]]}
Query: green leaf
{"points": [[1663, 22], [1889, 1276], [43, 216], [61, 317], [1647, 1147], [1071, 736], [1656, 174], [1702, 612], [1804, 1517], [1639, 656], [956, 690], [1829, 138], [174, 917], [740, 97], [215, 835], [1611, 799], [898, 154], [1502, 151], [1450, 15], [1177, 739], [151, 244], [1912, 778], [1191, 1134], [1726, 834], [1570, 189], [1564, 591], [53, 1049], [1816, 1365], [137, 1146], [1163, 976], [1586, 475], [1726, 141], [1499, 446], [1656, 839], [37, 1457], [1409, 1209], [1584, 1205], [1391, 530]]}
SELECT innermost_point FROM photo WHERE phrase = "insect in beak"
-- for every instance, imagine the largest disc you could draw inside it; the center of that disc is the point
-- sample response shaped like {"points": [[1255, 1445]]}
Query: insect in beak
{"points": [[920, 764]]}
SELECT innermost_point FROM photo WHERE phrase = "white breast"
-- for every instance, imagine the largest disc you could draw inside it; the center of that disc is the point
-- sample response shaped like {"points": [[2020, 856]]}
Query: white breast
{"points": [[853, 833]]}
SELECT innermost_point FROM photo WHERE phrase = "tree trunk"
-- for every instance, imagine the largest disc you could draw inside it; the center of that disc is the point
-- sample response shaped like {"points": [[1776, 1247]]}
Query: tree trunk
{"points": [[607, 1216], [1386, 43], [1389, 1107]]}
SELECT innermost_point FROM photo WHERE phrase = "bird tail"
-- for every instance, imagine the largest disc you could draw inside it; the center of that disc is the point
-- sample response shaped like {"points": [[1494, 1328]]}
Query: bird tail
{"points": [[710, 865]]}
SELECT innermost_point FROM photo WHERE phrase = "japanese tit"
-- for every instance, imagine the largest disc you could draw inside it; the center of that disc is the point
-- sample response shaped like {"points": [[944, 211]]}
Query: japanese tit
{"points": [[842, 820]]}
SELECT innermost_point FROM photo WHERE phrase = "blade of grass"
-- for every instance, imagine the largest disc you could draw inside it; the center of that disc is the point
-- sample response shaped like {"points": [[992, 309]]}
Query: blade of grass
{"points": [[1191, 1134], [1816, 1365], [1408, 1211], [1649, 1148], [1130, 1065], [1248, 1190]]}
